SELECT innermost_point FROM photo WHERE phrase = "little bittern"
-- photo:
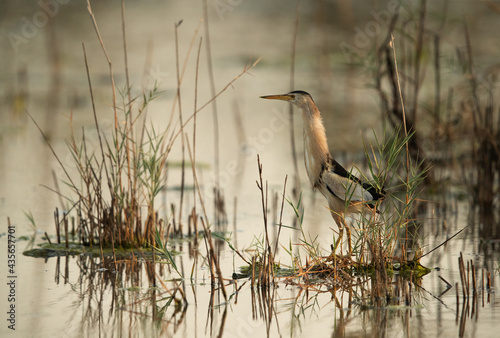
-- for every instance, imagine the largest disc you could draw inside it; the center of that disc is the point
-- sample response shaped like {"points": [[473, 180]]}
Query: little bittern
{"points": [[344, 192]]}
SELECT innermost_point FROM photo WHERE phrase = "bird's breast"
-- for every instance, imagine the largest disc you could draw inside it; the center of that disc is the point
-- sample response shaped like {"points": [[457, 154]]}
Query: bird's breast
{"points": [[313, 168]]}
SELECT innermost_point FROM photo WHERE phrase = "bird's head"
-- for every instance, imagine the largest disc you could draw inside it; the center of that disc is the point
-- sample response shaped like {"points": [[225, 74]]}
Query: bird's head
{"points": [[298, 97]]}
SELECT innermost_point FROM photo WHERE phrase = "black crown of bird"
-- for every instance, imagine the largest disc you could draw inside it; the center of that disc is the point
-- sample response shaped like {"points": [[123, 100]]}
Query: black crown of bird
{"points": [[344, 192]]}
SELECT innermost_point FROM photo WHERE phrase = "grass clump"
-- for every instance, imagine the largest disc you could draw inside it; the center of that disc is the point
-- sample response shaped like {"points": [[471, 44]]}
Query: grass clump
{"points": [[122, 169], [130, 167]]}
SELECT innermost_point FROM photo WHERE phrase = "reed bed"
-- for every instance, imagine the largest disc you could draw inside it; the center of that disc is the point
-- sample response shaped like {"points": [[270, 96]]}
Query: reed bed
{"points": [[115, 194]]}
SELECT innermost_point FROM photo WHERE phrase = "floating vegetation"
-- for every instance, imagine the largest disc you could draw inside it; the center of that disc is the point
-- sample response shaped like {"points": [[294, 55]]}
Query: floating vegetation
{"points": [[47, 250]]}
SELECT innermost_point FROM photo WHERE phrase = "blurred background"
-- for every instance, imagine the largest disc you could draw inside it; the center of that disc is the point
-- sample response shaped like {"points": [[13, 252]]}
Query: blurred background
{"points": [[327, 48]]}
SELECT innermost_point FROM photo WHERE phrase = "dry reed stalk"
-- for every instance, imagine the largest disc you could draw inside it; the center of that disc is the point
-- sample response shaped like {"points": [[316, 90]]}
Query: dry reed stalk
{"points": [[281, 216], [474, 289], [462, 275], [407, 197], [66, 234], [47, 237], [296, 186], [190, 223], [51, 149], [125, 52], [235, 228], [193, 159], [407, 293], [274, 215], [195, 34], [173, 222], [254, 303], [482, 287], [214, 102], [468, 278], [463, 319], [267, 260], [410, 285], [397, 291], [167, 234], [110, 65], [183, 161], [98, 133], [129, 123], [261, 270], [153, 277], [73, 227], [56, 222], [253, 272], [208, 235], [113, 88], [418, 59], [195, 224], [214, 259], [245, 70], [395, 111], [474, 301]]}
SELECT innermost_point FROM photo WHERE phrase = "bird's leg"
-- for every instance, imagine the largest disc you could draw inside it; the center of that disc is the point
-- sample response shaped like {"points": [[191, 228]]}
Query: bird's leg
{"points": [[341, 224], [338, 220], [339, 239], [348, 236]]}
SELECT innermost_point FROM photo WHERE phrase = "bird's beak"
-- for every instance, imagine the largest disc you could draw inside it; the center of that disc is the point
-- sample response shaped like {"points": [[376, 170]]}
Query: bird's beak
{"points": [[284, 97]]}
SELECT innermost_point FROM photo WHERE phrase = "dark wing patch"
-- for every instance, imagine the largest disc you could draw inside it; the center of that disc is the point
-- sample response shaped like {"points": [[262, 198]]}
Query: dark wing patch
{"points": [[331, 191], [336, 168]]}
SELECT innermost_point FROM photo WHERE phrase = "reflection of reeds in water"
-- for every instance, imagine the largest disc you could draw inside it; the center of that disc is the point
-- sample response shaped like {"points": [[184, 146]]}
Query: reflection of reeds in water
{"points": [[122, 298], [473, 293], [482, 177], [128, 300]]}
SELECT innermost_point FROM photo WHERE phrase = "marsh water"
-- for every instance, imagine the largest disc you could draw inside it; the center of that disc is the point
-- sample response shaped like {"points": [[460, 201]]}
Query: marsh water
{"points": [[42, 71]]}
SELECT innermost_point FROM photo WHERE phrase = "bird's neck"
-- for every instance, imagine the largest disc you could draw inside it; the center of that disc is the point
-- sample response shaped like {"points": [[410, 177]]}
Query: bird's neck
{"points": [[315, 144]]}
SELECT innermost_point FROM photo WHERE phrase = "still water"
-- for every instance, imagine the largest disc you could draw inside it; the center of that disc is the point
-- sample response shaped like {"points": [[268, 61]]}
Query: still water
{"points": [[43, 71]]}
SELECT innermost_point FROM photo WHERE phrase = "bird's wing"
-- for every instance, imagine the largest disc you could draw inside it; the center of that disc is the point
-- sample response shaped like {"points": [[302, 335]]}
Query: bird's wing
{"points": [[345, 187]]}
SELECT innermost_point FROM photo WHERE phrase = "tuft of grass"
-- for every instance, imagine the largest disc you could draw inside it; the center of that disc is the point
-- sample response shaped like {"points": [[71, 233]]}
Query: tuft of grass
{"points": [[377, 236], [161, 247], [131, 168]]}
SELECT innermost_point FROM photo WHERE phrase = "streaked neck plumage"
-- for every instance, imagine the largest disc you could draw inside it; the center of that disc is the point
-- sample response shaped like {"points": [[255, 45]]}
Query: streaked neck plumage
{"points": [[316, 151]]}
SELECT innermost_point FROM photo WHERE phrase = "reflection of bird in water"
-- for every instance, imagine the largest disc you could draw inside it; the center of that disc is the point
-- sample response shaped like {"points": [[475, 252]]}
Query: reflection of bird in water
{"points": [[345, 193]]}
